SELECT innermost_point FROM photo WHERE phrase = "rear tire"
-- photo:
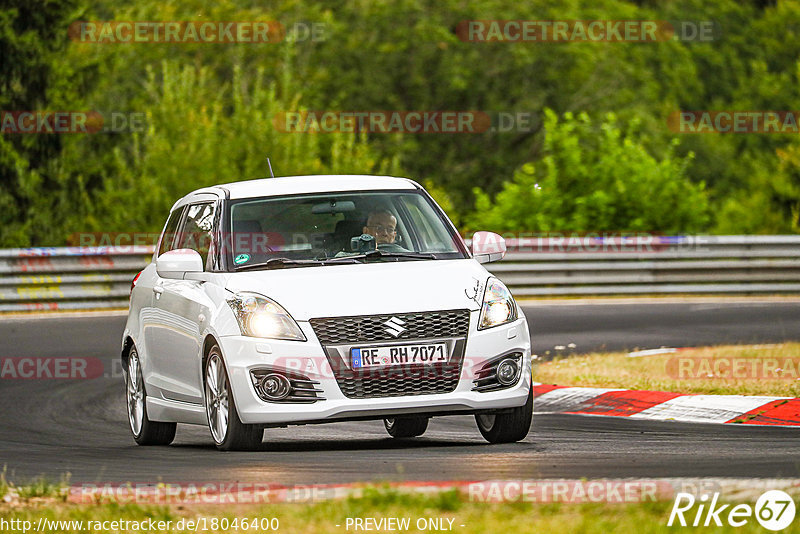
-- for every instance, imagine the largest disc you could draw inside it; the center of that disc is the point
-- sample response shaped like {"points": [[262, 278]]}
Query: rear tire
{"points": [[227, 430], [507, 427], [406, 427], [145, 431]]}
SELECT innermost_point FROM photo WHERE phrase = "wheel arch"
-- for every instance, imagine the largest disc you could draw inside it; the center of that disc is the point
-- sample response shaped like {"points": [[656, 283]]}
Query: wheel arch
{"points": [[208, 342], [127, 345]]}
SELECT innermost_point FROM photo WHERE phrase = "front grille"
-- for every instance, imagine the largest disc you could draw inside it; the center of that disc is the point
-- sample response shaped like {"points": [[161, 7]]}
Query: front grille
{"points": [[399, 380], [424, 325], [402, 381]]}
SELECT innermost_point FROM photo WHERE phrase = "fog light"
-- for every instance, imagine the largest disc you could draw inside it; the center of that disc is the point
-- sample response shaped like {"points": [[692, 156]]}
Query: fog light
{"points": [[275, 387], [507, 372]]}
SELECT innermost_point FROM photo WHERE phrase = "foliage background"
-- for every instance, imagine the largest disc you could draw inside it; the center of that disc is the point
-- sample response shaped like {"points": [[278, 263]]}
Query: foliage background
{"points": [[599, 157]]}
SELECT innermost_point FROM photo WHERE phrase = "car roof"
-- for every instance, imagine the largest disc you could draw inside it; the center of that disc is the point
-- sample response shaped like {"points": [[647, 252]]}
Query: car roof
{"points": [[297, 185]]}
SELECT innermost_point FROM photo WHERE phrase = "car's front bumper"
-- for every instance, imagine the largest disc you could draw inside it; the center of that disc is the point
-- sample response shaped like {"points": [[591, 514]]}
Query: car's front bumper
{"points": [[242, 354]]}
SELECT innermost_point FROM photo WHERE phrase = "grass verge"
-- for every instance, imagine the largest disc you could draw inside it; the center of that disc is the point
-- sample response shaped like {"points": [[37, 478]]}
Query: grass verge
{"points": [[4, 485], [448, 509], [772, 370]]}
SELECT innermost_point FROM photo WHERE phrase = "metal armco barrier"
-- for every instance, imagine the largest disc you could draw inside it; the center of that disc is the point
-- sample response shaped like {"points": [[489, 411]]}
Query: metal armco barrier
{"points": [[69, 278], [74, 278], [651, 265]]}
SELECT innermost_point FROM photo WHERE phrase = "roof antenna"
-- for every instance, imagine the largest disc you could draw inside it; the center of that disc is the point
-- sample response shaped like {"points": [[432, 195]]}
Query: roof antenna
{"points": [[272, 174]]}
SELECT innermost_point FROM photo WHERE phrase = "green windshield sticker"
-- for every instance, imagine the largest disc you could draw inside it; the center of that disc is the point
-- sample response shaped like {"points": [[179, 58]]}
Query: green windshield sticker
{"points": [[241, 258]]}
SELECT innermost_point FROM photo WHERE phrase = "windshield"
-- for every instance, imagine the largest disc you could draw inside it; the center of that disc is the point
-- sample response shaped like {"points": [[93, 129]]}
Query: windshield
{"points": [[303, 229]]}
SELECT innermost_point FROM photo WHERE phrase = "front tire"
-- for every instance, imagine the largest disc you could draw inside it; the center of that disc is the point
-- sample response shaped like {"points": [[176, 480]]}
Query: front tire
{"points": [[145, 431], [507, 427], [406, 427], [227, 430]]}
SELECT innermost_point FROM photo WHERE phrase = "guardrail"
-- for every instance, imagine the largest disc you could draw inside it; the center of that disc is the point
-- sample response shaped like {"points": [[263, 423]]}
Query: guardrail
{"points": [[69, 278], [651, 265], [72, 278]]}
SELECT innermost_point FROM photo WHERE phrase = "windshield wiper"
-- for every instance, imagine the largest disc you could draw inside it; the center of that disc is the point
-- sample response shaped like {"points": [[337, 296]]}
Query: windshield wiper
{"points": [[279, 263], [378, 254]]}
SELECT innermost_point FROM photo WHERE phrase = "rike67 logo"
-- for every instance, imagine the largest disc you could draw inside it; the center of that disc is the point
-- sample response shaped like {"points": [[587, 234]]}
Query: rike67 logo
{"points": [[774, 510]]}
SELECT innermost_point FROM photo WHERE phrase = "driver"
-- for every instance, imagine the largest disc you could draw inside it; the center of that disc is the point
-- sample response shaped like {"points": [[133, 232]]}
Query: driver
{"points": [[382, 225]]}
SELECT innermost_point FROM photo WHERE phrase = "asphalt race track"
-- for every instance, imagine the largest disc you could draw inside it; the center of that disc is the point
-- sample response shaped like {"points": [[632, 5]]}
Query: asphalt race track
{"points": [[53, 427]]}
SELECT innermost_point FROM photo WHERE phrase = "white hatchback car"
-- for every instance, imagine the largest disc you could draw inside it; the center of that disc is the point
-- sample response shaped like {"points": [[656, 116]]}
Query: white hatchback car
{"points": [[315, 299]]}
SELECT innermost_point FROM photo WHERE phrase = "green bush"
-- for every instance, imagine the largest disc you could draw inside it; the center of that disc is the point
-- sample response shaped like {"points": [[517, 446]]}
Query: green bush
{"points": [[596, 177]]}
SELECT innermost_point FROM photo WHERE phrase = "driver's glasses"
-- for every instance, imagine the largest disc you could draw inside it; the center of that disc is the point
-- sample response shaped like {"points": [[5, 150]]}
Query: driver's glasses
{"points": [[380, 229]]}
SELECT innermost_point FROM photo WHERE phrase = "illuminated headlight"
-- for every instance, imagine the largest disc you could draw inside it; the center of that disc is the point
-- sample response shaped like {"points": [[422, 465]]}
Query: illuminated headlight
{"points": [[259, 316], [498, 305]]}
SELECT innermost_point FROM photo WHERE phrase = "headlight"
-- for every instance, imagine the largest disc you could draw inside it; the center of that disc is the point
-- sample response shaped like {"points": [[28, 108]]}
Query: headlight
{"points": [[259, 316], [498, 305]]}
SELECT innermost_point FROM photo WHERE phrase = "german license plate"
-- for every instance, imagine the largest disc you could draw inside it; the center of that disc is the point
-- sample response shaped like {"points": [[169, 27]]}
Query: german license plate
{"points": [[387, 356]]}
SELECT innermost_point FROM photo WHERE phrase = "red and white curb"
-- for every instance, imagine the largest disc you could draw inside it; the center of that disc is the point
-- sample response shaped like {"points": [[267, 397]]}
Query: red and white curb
{"points": [[664, 406]]}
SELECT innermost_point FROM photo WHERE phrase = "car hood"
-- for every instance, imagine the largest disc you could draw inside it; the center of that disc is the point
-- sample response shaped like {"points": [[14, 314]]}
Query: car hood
{"points": [[366, 289]]}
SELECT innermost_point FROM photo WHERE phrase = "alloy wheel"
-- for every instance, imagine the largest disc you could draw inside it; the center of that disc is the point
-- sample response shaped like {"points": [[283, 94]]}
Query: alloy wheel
{"points": [[217, 404], [486, 421], [135, 394]]}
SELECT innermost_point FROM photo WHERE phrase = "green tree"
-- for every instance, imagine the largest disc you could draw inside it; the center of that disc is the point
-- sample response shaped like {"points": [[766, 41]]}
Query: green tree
{"points": [[387, 55], [35, 76], [771, 203], [200, 132]]}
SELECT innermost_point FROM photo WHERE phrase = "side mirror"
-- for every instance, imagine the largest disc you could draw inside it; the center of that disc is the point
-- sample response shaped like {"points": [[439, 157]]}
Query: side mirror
{"points": [[176, 264], [488, 247]]}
